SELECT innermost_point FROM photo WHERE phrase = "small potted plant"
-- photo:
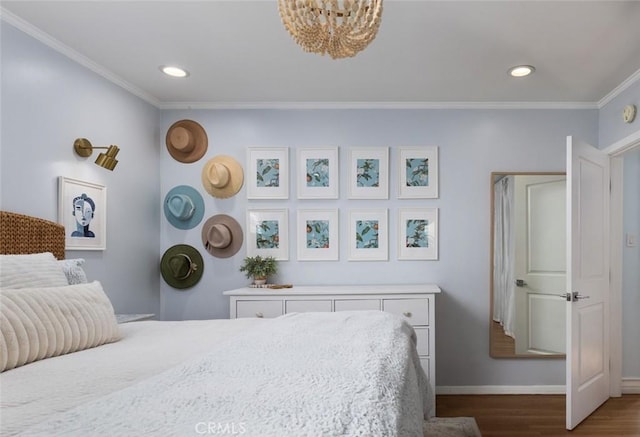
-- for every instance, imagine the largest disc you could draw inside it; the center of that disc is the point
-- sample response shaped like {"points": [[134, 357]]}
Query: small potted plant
{"points": [[259, 268]]}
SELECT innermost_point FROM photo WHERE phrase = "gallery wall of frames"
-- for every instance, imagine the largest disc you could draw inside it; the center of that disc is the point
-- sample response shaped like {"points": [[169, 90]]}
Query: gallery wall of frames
{"points": [[317, 177]]}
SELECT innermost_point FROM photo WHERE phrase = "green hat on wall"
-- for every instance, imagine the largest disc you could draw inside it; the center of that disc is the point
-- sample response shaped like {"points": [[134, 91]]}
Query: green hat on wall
{"points": [[182, 266]]}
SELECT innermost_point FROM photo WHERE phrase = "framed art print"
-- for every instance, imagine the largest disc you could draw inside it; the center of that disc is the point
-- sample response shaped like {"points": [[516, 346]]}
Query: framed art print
{"points": [[369, 173], [368, 235], [318, 235], [418, 234], [318, 173], [418, 172], [267, 233], [268, 173], [82, 210]]}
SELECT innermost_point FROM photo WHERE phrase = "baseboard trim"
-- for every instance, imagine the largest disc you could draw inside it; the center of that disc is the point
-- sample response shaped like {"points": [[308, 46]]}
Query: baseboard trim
{"points": [[500, 390], [629, 386]]}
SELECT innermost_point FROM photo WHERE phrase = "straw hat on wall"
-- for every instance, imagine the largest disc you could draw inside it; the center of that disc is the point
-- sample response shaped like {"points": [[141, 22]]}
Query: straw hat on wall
{"points": [[222, 176]]}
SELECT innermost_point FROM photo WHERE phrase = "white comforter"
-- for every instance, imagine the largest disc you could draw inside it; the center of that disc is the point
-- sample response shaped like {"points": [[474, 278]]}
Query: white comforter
{"points": [[351, 373]]}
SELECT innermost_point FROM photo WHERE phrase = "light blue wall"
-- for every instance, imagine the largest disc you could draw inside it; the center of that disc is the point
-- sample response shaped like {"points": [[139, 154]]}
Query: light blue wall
{"points": [[47, 102], [631, 268], [472, 144]]}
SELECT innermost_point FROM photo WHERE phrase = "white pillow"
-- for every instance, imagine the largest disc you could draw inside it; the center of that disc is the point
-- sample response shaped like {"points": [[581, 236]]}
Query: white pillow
{"points": [[38, 323], [34, 270], [73, 270]]}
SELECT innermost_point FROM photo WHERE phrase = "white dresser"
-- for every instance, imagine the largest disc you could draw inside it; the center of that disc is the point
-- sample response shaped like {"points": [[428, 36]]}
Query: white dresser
{"points": [[416, 303]]}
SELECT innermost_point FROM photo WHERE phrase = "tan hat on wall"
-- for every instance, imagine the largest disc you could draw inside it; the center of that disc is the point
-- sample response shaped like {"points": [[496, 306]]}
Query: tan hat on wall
{"points": [[222, 236], [187, 141], [222, 176]]}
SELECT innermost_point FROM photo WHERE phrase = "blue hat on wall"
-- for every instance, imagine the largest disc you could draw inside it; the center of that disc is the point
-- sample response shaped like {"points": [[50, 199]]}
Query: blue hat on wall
{"points": [[184, 207]]}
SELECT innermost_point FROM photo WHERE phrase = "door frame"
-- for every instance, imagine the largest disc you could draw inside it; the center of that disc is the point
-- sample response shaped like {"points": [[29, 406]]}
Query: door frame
{"points": [[615, 152]]}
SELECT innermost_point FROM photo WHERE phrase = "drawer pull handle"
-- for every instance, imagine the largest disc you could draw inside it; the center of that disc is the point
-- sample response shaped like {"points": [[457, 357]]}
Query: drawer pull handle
{"points": [[407, 313], [259, 315]]}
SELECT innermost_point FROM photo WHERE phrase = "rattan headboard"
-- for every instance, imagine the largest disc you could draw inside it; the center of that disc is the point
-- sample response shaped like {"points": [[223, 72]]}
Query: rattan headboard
{"points": [[21, 234]]}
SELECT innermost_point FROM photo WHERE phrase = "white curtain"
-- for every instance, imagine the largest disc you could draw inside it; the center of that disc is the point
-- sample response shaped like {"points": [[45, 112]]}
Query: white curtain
{"points": [[503, 255]]}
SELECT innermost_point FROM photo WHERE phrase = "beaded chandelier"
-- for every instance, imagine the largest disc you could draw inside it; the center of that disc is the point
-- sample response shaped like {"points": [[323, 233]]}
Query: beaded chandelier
{"points": [[341, 28]]}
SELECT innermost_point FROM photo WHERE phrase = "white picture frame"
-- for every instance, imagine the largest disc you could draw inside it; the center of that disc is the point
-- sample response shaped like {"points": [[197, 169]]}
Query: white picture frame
{"points": [[368, 234], [82, 210], [268, 173], [318, 173], [369, 173], [418, 234], [268, 233], [418, 172], [318, 235]]}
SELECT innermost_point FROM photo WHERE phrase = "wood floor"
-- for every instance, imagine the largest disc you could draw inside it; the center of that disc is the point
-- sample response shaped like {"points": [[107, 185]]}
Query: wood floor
{"points": [[541, 415]]}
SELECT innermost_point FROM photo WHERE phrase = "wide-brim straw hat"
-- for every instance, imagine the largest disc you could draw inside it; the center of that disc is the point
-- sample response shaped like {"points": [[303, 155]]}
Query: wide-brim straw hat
{"points": [[182, 266], [222, 236], [184, 207], [187, 141], [222, 176]]}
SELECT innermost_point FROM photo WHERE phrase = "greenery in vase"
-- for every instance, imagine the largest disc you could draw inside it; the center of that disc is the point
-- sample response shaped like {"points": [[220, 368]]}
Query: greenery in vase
{"points": [[259, 267]]}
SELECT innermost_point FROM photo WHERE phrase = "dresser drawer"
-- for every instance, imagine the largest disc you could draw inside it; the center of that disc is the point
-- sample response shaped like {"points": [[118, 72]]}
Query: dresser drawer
{"points": [[258, 308], [304, 306], [357, 304], [415, 311], [422, 345]]}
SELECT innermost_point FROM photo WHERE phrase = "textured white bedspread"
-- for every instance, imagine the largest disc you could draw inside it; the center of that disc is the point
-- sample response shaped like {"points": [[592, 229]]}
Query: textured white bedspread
{"points": [[350, 373]]}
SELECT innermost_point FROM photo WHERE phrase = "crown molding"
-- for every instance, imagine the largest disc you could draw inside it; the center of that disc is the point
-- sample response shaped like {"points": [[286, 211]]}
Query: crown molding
{"points": [[378, 105], [635, 77], [65, 50]]}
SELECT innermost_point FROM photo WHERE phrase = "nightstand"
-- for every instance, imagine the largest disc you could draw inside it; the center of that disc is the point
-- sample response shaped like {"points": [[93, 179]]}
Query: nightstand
{"points": [[124, 318]]}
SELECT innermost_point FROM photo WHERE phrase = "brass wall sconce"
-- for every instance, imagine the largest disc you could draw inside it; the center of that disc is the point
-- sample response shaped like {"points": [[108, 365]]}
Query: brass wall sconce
{"points": [[107, 160]]}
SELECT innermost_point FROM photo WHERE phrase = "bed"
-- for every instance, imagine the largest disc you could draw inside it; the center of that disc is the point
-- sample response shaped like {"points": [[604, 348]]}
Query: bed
{"points": [[255, 377]]}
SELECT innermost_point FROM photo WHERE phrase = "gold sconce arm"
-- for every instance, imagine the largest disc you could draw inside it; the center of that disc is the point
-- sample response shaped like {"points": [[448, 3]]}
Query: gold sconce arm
{"points": [[107, 160]]}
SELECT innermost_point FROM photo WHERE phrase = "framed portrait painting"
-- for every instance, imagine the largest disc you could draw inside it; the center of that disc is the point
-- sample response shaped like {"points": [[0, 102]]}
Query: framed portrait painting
{"points": [[418, 234], [267, 233], [418, 171], [82, 210], [318, 235], [268, 173], [368, 235], [318, 175], [369, 173]]}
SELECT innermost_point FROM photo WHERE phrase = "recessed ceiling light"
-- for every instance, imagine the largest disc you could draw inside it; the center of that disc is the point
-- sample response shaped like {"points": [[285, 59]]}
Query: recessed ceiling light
{"points": [[174, 71], [521, 70]]}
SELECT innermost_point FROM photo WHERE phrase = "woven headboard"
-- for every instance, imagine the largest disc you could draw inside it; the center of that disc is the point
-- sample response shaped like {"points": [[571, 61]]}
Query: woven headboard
{"points": [[22, 234]]}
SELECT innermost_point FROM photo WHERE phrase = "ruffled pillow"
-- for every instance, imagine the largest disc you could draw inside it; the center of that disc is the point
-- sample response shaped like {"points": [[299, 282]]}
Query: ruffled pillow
{"points": [[73, 270], [33, 270], [39, 323]]}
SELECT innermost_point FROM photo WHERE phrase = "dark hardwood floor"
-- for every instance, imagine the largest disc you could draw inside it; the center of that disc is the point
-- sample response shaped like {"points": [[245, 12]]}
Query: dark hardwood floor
{"points": [[541, 415]]}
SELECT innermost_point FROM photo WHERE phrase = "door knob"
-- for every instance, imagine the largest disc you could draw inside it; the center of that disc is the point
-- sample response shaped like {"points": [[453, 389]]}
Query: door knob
{"points": [[576, 296], [520, 283]]}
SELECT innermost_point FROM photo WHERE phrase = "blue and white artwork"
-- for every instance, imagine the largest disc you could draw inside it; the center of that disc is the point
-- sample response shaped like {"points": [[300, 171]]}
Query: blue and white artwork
{"points": [[267, 234], [318, 234], [417, 172], [367, 234], [368, 172], [317, 172], [417, 233], [268, 172]]}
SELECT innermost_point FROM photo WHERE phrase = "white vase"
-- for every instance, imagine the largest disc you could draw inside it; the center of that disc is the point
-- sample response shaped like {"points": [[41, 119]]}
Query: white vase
{"points": [[259, 281]]}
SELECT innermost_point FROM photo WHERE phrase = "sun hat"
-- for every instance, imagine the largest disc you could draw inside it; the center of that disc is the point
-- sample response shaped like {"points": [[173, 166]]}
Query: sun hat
{"points": [[222, 236], [181, 266], [184, 207], [186, 141], [222, 176]]}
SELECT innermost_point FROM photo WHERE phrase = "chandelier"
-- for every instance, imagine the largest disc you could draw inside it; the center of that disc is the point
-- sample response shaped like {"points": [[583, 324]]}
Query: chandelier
{"points": [[341, 28]]}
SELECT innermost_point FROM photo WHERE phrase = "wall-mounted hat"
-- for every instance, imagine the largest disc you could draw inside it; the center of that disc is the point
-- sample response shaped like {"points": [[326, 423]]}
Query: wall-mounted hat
{"points": [[187, 141], [222, 236], [181, 266], [184, 207], [222, 176]]}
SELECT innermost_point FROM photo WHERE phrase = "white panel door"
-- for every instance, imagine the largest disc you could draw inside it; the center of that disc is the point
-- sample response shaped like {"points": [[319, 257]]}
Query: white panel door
{"points": [[540, 263], [587, 279]]}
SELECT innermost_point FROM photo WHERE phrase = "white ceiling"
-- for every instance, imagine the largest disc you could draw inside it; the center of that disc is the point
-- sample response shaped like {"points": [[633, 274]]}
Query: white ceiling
{"points": [[426, 52]]}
